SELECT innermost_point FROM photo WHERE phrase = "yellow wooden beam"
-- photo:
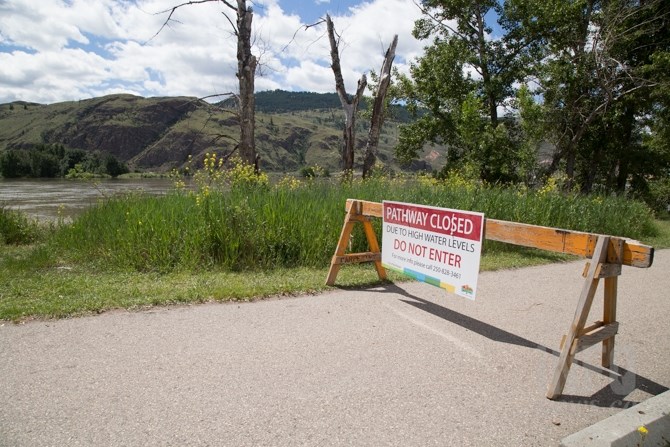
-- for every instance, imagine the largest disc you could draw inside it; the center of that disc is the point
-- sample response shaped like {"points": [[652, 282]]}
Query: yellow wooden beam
{"points": [[372, 209], [571, 242]]}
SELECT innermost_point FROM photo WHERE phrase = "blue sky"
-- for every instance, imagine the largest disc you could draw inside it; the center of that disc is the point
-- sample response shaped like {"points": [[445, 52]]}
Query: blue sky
{"points": [[63, 50], [311, 11]]}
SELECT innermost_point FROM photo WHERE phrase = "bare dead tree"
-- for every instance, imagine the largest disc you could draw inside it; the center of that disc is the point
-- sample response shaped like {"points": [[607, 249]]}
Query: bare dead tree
{"points": [[246, 70], [349, 105], [378, 108]]}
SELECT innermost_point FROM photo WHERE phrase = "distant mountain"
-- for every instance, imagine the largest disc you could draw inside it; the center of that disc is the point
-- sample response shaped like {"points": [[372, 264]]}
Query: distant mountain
{"points": [[279, 101], [293, 129]]}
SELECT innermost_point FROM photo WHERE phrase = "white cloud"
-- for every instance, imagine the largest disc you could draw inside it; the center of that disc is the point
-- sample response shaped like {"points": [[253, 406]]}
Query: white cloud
{"points": [[37, 25], [69, 73], [314, 77], [57, 50]]}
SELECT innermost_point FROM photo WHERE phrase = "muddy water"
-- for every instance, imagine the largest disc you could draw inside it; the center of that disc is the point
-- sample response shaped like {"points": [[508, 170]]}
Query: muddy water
{"points": [[54, 198]]}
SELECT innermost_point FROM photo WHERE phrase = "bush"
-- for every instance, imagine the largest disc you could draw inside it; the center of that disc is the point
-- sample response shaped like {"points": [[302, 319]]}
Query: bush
{"points": [[658, 197], [16, 228], [314, 171]]}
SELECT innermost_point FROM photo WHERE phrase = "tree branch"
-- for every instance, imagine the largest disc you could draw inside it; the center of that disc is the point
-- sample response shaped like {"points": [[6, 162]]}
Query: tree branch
{"points": [[174, 8], [306, 27], [335, 63]]}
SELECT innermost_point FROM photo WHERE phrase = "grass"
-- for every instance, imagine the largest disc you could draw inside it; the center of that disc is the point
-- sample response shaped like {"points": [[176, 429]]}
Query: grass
{"points": [[64, 291], [662, 238], [247, 227], [247, 241], [16, 228], [29, 290]]}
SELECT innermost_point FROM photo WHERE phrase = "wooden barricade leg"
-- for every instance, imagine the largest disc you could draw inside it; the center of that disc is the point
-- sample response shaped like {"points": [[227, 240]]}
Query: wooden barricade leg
{"points": [[569, 347], [609, 316], [374, 246], [609, 306], [341, 249], [340, 257]]}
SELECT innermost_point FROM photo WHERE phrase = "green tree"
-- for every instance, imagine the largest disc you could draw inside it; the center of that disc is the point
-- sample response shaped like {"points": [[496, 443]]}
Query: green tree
{"points": [[433, 94], [71, 157], [43, 164], [463, 78], [595, 83], [14, 163], [114, 167], [94, 163]]}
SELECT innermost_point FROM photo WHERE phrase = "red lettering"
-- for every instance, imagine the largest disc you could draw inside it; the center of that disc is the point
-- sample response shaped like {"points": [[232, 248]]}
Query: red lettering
{"points": [[418, 250], [445, 257], [398, 244]]}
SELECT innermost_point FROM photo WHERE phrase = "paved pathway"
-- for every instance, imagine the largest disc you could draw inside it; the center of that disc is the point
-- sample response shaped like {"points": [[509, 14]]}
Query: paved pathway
{"points": [[395, 365]]}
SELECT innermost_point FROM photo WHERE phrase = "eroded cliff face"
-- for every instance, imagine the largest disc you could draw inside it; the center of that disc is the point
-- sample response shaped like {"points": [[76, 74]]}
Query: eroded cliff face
{"points": [[122, 125]]}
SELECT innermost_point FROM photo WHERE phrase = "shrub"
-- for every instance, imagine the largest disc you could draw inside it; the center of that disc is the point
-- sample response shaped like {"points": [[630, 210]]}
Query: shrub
{"points": [[16, 228], [658, 196]]}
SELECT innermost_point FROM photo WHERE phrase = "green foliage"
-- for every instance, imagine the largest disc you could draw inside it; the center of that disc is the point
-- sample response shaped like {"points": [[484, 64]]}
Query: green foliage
{"points": [[54, 160], [16, 228], [79, 172], [15, 164], [599, 109], [44, 164], [437, 86], [114, 167], [598, 97], [461, 109], [314, 172], [657, 195]]}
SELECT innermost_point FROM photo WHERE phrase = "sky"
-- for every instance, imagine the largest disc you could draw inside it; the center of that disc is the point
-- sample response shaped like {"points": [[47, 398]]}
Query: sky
{"points": [[67, 50]]}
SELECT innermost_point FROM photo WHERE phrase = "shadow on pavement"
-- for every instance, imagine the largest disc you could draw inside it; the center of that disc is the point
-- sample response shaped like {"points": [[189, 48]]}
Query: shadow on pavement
{"points": [[624, 380]]}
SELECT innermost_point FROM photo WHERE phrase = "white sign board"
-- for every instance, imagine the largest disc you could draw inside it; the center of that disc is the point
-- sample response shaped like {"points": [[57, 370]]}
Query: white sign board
{"points": [[439, 246]]}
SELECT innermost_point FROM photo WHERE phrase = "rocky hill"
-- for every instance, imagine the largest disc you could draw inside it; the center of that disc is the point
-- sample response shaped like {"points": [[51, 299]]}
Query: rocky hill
{"points": [[292, 129]]}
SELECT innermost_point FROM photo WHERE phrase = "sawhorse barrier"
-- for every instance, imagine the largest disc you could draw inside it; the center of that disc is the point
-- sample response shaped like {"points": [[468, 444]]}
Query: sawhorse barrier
{"points": [[607, 253]]}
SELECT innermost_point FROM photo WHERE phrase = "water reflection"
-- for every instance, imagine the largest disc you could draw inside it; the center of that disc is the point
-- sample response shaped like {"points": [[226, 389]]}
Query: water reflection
{"points": [[51, 198]]}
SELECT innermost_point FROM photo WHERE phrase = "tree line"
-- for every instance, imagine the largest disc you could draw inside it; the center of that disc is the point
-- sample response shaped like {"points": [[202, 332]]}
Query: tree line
{"points": [[55, 160], [587, 81]]}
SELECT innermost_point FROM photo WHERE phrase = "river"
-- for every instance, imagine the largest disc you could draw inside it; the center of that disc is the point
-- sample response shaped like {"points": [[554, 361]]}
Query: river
{"points": [[48, 199]]}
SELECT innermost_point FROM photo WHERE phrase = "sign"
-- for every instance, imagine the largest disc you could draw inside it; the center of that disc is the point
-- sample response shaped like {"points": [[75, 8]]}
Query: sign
{"points": [[439, 246]]}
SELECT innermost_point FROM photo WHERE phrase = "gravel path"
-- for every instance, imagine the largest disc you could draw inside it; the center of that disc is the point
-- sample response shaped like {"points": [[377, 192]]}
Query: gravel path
{"points": [[395, 365]]}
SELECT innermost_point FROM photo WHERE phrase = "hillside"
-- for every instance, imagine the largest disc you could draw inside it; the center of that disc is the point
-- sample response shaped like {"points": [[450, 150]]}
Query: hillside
{"points": [[292, 129]]}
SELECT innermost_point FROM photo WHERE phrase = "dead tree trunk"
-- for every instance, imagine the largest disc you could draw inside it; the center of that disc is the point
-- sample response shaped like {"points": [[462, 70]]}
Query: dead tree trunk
{"points": [[378, 107], [350, 106], [246, 70]]}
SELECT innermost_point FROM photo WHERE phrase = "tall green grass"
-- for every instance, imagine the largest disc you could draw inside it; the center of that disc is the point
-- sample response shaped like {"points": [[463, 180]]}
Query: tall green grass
{"points": [[298, 223], [16, 228]]}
